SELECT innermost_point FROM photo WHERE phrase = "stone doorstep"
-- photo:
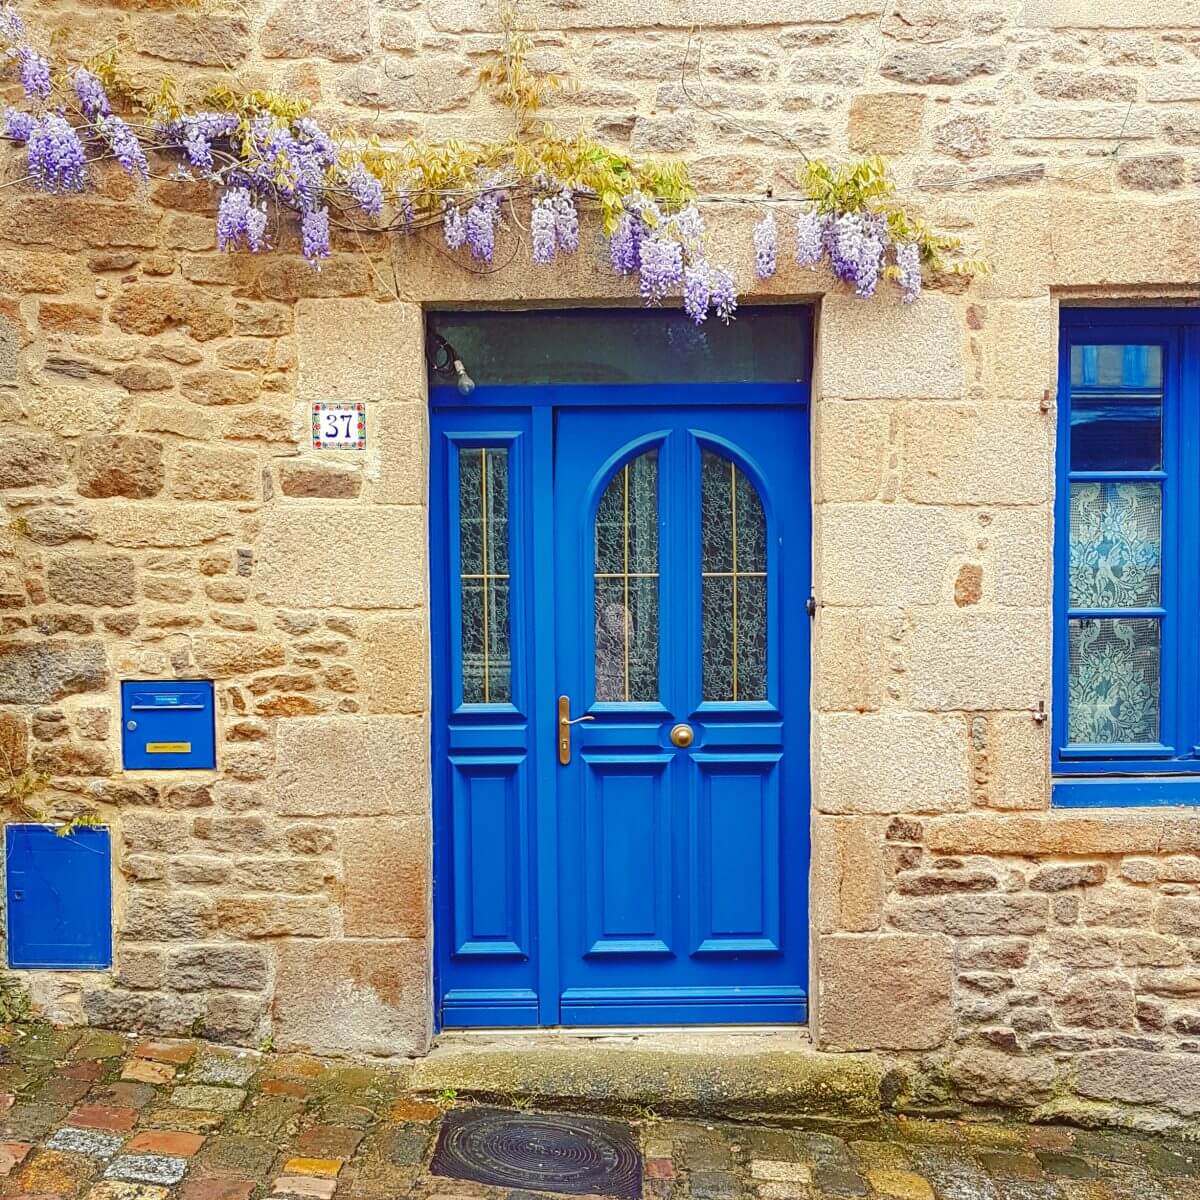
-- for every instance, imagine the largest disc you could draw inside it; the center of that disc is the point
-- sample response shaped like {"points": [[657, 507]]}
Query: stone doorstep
{"points": [[686, 1072]]}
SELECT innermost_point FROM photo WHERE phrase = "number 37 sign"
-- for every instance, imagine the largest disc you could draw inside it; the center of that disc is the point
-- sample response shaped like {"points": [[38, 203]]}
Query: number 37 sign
{"points": [[339, 426]]}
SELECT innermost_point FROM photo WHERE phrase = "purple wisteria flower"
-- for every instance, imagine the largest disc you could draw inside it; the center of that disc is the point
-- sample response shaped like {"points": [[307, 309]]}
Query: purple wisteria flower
{"points": [[367, 190], [542, 229], [856, 243], [766, 244], [12, 25], [624, 247], [454, 226], [724, 294], [35, 73], [908, 260], [314, 231], [240, 221], [197, 132], [697, 291], [124, 145], [566, 221], [18, 125], [57, 160], [661, 267], [89, 91], [810, 238], [482, 219]]}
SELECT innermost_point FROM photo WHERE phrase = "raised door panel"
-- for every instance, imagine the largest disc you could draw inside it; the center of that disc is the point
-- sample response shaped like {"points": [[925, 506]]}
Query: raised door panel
{"points": [[490, 834], [736, 846], [627, 861]]}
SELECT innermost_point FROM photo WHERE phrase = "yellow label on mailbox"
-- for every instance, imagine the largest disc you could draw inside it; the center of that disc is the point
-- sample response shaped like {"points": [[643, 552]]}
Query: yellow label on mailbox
{"points": [[168, 747]]}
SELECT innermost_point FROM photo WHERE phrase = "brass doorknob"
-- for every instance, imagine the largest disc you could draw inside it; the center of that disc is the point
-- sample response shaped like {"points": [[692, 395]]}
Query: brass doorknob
{"points": [[682, 735]]}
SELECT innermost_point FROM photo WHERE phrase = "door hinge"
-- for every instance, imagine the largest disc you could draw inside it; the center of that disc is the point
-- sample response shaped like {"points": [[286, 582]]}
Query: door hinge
{"points": [[810, 606]]}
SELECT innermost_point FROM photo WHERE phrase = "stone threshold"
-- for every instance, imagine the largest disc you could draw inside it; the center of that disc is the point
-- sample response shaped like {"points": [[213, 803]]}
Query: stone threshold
{"points": [[733, 1073]]}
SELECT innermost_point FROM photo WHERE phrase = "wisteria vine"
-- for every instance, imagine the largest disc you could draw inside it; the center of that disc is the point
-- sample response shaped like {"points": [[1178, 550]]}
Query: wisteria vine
{"points": [[266, 155]]}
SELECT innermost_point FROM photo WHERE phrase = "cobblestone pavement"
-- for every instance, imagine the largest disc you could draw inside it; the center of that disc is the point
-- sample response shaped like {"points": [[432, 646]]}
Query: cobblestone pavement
{"points": [[89, 1115]]}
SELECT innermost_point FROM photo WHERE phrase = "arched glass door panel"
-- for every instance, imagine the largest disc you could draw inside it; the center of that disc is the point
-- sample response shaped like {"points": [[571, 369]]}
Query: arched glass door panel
{"points": [[733, 568], [625, 584]]}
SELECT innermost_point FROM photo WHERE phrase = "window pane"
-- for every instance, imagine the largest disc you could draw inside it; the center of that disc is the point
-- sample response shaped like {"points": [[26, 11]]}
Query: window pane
{"points": [[483, 574], [733, 561], [1113, 681], [626, 583], [1116, 545], [1114, 426]]}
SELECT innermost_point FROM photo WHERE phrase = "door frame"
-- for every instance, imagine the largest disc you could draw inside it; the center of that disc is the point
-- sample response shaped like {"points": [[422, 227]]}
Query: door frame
{"points": [[540, 401]]}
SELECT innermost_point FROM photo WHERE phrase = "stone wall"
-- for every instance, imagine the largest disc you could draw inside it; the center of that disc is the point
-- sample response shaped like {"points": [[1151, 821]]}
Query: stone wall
{"points": [[166, 518]]}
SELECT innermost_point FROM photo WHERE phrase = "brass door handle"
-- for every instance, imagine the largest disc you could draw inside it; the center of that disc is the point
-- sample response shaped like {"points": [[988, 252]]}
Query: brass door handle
{"points": [[565, 721], [682, 735]]}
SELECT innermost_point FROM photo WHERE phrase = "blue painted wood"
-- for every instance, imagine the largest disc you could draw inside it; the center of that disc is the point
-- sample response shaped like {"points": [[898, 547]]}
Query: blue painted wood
{"points": [[717, 833], [542, 910], [1083, 770], [59, 897]]}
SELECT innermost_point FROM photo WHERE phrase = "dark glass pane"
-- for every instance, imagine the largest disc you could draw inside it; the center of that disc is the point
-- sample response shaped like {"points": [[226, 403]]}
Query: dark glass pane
{"points": [[626, 583], [1116, 408], [1113, 681], [483, 574], [1116, 545], [733, 562], [764, 345]]}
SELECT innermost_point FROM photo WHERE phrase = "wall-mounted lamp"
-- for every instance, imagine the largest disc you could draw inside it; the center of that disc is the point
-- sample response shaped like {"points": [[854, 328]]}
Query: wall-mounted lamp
{"points": [[443, 359]]}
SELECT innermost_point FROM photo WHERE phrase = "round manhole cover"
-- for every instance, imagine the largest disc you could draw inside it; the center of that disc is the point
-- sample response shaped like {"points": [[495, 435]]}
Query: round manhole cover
{"points": [[558, 1153]]}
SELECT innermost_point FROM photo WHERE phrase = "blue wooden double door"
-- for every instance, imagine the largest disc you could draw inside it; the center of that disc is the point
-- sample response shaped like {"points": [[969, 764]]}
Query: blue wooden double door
{"points": [[621, 652]]}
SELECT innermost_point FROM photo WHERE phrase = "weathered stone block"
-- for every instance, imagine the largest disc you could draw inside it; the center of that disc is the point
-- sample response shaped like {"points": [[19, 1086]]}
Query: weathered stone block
{"points": [[363, 559], [851, 666], [274, 916], [920, 64], [975, 454], [1058, 833], [197, 968], [399, 453], [869, 349], [353, 766], [1141, 1077], [41, 672], [1064, 876], [1096, 1001], [189, 38], [883, 992], [152, 308], [304, 29], [161, 916], [886, 122], [31, 459], [395, 656], [222, 656], [970, 915], [992, 1077], [92, 579], [366, 997], [910, 550], [972, 660], [137, 526], [891, 762], [852, 448], [327, 481], [215, 473], [386, 877], [1110, 14], [359, 350], [847, 868], [119, 465]]}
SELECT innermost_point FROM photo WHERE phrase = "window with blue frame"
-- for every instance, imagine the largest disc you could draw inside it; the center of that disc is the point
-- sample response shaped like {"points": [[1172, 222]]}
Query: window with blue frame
{"points": [[1127, 587]]}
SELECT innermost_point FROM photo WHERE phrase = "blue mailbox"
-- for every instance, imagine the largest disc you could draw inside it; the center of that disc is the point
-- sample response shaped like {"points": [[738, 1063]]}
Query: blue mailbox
{"points": [[59, 894], [168, 724]]}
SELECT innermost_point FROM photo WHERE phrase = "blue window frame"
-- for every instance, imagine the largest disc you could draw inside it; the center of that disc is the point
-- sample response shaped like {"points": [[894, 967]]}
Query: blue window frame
{"points": [[1127, 560]]}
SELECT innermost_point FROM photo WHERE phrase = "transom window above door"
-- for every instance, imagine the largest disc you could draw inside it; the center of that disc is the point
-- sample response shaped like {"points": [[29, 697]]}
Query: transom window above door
{"points": [[1127, 637]]}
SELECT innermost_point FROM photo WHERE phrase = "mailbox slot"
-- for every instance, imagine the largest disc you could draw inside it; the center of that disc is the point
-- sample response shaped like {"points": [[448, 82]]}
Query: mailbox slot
{"points": [[168, 725]]}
